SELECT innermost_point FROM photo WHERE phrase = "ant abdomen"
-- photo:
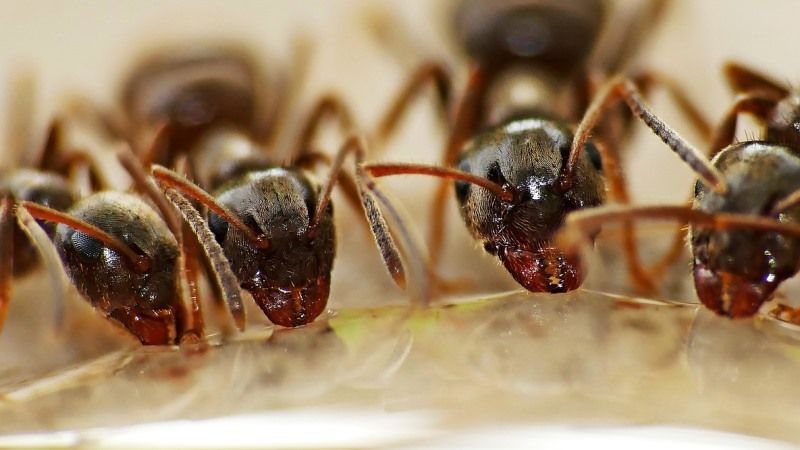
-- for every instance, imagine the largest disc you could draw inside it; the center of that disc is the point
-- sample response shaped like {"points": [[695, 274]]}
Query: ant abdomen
{"points": [[554, 35], [43, 188], [290, 279], [144, 298]]}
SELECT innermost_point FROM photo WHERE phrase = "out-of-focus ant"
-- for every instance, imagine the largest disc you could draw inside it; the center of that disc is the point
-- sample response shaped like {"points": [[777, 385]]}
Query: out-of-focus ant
{"points": [[744, 230], [272, 221], [515, 179]]}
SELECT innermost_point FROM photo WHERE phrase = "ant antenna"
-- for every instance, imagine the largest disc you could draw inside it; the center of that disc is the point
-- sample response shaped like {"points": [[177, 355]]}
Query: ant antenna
{"points": [[169, 179], [140, 262], [621, 87]]}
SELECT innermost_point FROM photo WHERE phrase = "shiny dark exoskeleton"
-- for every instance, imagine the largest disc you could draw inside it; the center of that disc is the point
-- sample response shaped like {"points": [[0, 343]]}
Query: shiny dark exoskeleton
{"points": [[290, 280], [735, 271], [146, 302], [526, 155]]}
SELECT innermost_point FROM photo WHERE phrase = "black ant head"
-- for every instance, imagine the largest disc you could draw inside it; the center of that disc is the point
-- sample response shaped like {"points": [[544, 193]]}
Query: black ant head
{"points": [[142, 299], [290, 278], [556, 35], [525, 157], [737, 270], [44, 189], [194, 89]]}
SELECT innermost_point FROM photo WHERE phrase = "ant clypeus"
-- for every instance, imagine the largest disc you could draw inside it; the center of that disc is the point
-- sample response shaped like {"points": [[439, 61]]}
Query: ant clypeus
{"points": [[744, 231], [273, 222], [509, 163]]}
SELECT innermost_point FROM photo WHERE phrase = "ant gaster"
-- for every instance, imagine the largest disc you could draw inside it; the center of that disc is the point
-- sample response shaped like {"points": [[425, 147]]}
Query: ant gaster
{"points": [[745, 231]]}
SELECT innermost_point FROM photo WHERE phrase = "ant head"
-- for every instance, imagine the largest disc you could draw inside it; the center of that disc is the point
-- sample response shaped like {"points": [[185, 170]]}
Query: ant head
{"points": [[193, 88], [525, 157], [44, 189], [140, 298], [290, 279], [737, 270], [556, 35]]}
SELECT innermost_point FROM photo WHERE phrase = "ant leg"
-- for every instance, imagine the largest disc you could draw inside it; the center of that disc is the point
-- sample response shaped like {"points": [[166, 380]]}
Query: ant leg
{"points": [[223, 276], [468, 116], [188, 260], [52, 262], [756, 103], [6, 255], [327, 106], [582, 223], [381, 170], [744, 79], [612, 169], [284, 93], [622, 88], [20, 118], [648, 79], [430, 72]]}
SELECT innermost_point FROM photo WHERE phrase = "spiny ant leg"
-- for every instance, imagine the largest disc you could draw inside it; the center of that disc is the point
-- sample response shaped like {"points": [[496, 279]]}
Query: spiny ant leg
{"points": [[223, 275], [169, 179], [52, 262], [744, 79], [428, 73], [468, 116], [6, 255], [756, 103], [622, 88]]}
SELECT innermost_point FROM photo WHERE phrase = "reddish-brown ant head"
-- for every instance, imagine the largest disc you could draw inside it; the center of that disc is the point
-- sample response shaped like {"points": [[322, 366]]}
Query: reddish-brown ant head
{"points": [[525, 157], [290, 279], [44, 189], [141, 298], [737, 270], [557, 35]]}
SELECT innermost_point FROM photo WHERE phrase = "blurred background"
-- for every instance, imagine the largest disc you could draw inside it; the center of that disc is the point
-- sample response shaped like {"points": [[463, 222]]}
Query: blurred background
{"points": [[88, 47]]}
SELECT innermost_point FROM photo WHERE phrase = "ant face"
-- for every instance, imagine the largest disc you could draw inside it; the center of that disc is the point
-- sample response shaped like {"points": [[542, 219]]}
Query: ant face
{"points": [[736, 271], [143, 301], [525, 157], [44, 189], [290, 280], [556, 35]]}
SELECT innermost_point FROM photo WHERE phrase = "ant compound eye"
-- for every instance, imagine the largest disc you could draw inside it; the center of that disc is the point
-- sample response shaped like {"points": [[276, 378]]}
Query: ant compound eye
{"points": [[87, 247], [218, 226], [494, 174], [462, 191]]}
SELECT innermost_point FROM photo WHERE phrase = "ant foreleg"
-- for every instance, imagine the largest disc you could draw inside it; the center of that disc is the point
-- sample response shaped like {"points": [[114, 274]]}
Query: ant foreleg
{"points": [[428, 73], [328, 106], [622, 88], [744, 79], [756, 103], [6, 255]]}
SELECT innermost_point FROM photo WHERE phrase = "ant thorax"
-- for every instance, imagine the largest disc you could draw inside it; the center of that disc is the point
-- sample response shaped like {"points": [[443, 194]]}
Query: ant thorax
{"points": [[224, 154], [783, 126]]}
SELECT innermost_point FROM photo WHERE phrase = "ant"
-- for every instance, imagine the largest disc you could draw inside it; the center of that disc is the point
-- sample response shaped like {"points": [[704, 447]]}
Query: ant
{"points": [[744, 233], [118, 252], [273, 222], [515, 179]]}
